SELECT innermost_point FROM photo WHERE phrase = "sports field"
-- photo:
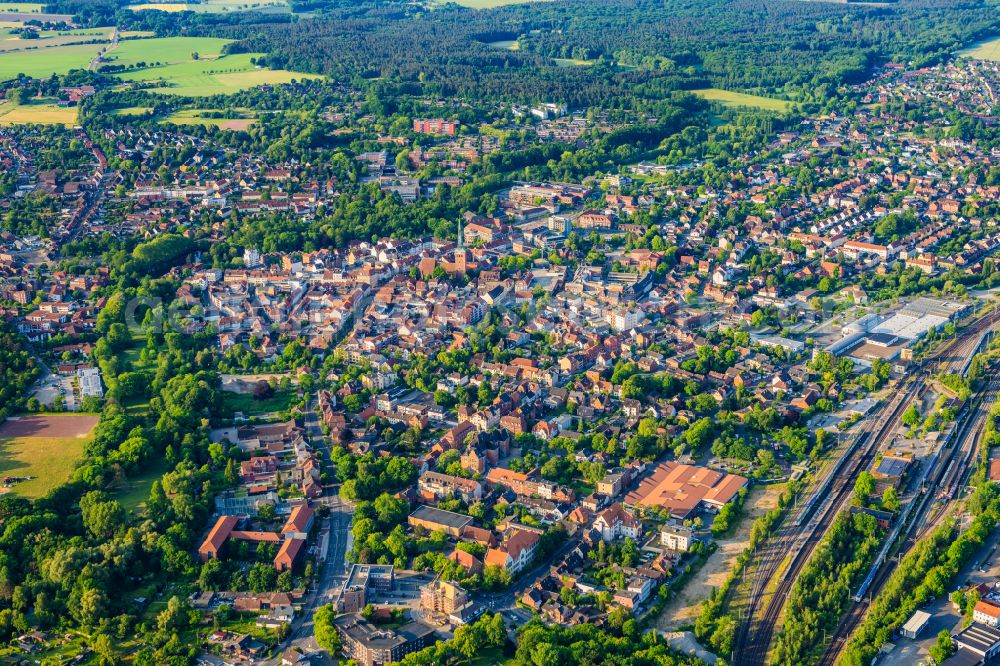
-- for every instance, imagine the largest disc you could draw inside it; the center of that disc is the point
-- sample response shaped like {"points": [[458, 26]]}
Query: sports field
{"points": [[199, 78], [41, 114], [44, 62], [986, 50], [216, 6], [729, 98], [45, 448]]}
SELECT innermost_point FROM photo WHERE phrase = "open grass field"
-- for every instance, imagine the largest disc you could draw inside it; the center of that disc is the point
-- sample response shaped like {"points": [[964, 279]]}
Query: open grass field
{"points": [[985, 50], [133, 111], [41, 114], [44, 62], [572, 62], [216, 6], [44, 447], [509, 44], [250, 406], [48, 460], [196, 117], [135, 491], [729, 98], [200, 78], [166, 50]]}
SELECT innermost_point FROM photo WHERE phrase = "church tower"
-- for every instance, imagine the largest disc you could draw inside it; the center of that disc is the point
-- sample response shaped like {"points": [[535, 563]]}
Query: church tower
{"points": [[461, 258]]}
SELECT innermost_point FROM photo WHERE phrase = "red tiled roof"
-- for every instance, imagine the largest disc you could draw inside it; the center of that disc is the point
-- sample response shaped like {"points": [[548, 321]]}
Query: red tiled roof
{"points": [[220, 532], [288, 552], [299, 520]]}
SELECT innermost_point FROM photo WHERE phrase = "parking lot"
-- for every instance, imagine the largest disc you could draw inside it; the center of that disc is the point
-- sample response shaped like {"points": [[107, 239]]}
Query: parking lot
{"points": [[406, 591], [983, 568], [51, 387]]}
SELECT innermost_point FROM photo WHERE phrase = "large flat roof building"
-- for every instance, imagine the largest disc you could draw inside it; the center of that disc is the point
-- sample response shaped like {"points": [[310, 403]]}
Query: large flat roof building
{"points": [[979, 639], [438, 519], [370, 645], [681, 489], [361, 581]]}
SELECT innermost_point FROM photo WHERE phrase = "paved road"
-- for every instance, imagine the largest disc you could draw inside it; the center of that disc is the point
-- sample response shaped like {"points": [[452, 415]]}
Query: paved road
{"points": [[943, 615], [334, 535], [507, 600], [97, 58]]}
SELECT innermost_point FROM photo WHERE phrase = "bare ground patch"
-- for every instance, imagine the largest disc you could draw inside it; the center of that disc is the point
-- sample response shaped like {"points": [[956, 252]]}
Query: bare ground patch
{"points": [[48, 425], [683, 608]]}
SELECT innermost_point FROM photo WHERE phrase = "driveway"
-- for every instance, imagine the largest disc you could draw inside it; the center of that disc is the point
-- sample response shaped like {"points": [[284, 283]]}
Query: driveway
{"points": [[943, 615]]}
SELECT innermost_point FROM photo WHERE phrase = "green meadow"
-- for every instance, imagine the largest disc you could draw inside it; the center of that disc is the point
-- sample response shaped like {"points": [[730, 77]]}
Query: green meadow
{"points": [[44, 62], [200, 78], [729, 98], [166, 50], [985, 50]]}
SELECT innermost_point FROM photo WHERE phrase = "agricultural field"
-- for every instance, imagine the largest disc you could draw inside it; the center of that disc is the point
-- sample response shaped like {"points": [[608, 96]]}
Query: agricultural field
{"points": [[166, 50], [44, 62], [490, 4], [217, 6], [21, 7], [45, 448], [18, 18], [42, 114], [729, 98], [985, 50], [13, 42], [198, 117], [200, 78]]}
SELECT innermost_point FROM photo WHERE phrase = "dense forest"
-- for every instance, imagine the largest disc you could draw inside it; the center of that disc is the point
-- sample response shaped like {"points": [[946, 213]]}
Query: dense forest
{"points": [[805, 48], [802, 50], [19, 370]]}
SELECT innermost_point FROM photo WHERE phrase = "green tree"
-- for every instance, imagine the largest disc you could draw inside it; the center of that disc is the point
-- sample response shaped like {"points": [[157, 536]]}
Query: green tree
{"points": [[943, 648], [863, 488], [324, 630]]}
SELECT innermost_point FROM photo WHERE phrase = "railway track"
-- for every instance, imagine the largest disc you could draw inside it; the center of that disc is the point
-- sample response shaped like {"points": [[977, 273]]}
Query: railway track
{"points": [[755, 638], [797, 538], [952, 471]]}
